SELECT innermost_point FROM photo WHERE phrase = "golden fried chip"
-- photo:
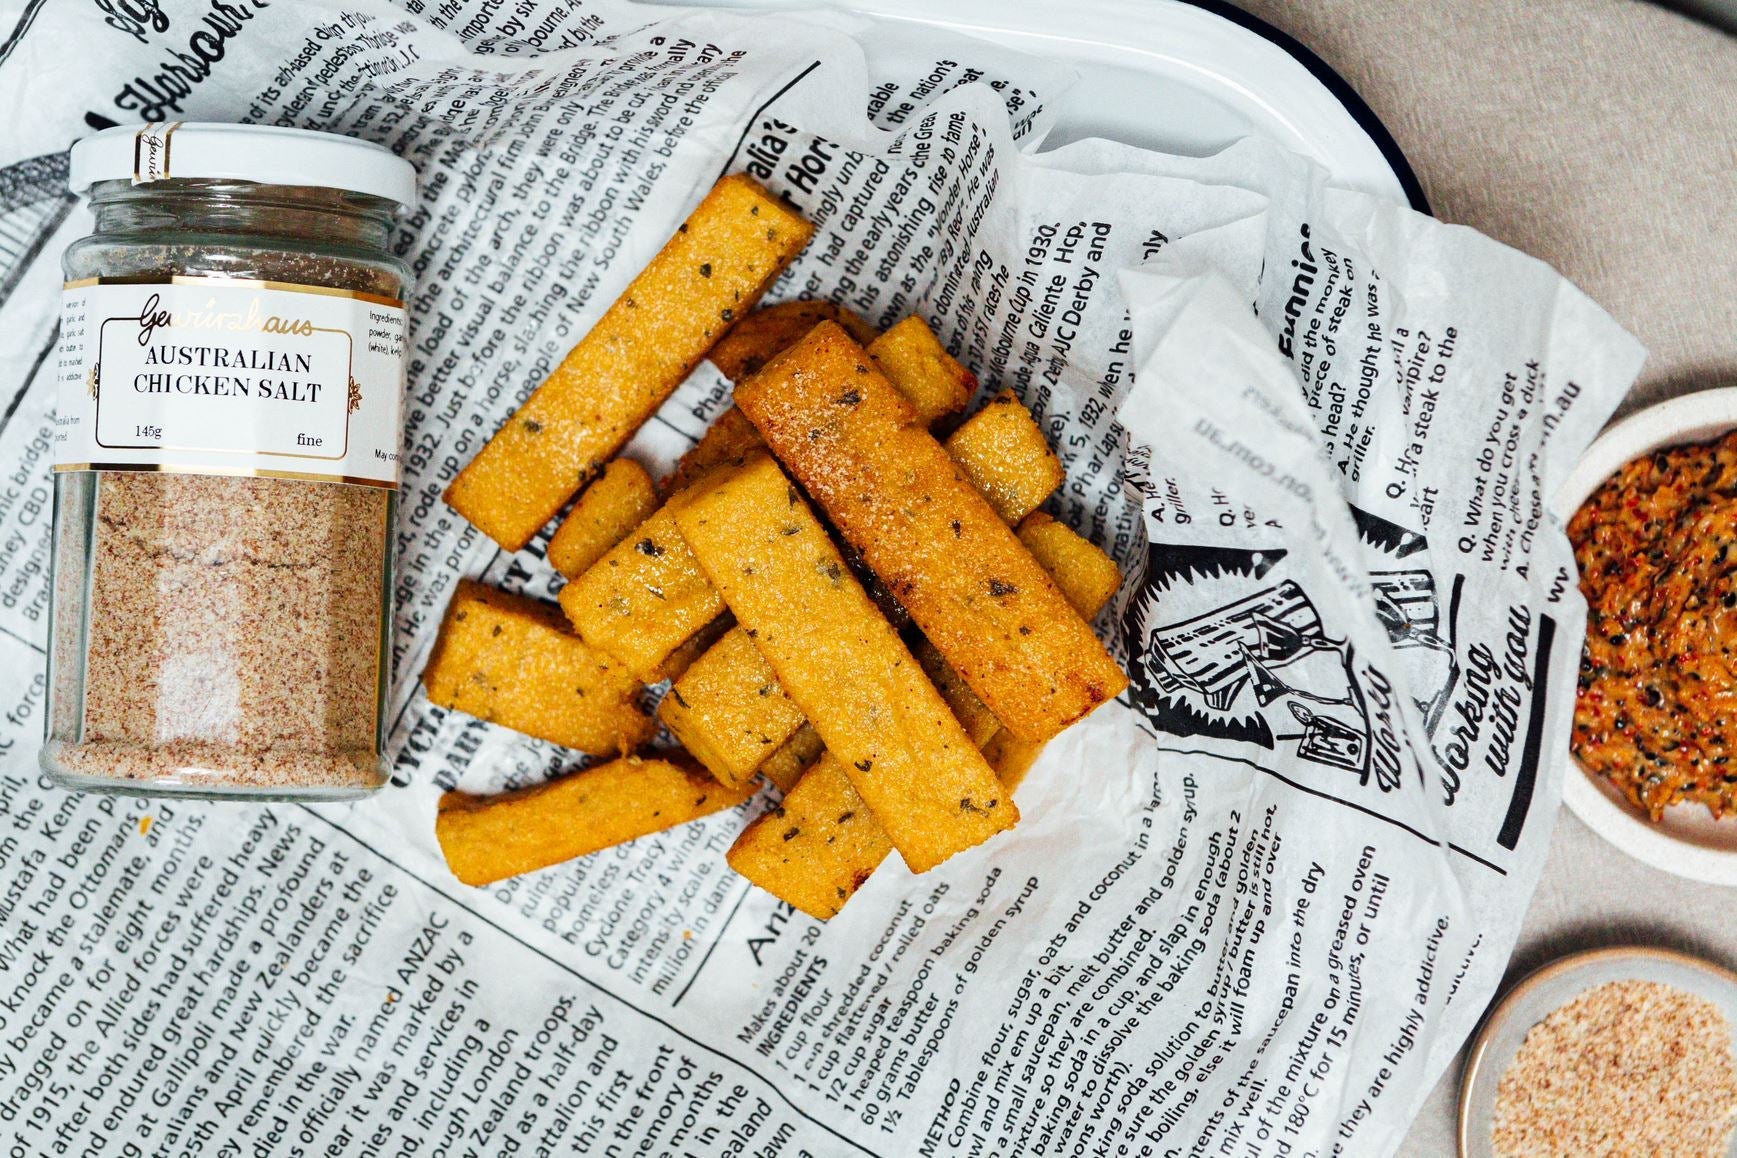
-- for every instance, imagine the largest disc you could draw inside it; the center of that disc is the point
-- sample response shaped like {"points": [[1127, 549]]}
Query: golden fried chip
{"points": [[676, 664], [1086, 575], [1088, 578], [749, 345], [728, 440], [712, 271], [823, 843], [729, 711], [765, 332], [843, 664], [818, 847], [786, 766], [977, 720], [740, 708], [944, 552], [1012, 757], [489, 838], [834, 859], [1006, 456], [914, 360], [511, 660], [644, 599], [622, 498]]}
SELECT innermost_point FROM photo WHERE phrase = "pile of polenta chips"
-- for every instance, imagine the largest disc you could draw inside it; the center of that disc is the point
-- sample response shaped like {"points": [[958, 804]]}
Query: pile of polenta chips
{"points": [[852, 593]]}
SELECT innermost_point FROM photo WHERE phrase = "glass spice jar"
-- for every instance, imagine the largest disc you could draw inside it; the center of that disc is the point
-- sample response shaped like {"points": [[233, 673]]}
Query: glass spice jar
{"points": [[231, 370]]}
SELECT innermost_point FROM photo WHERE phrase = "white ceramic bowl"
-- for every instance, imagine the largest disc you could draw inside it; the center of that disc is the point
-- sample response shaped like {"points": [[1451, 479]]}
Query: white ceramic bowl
{"points": [[1541, 993], [1687, 841]]}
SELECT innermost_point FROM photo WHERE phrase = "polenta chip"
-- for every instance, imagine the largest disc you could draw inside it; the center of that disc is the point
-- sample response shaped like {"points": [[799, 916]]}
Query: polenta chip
{"points": [[946, 555], [513, 661], [823, 843], [1006, 457], [818, 847], [489, 838], [735, 708], [622, 498], [733, 246], [728, 440], [914, 360], [644, 599], [977, 720], [1012, 757], [786, 766], [909, 354], [843, 664], [749, 345], [766, 332], [834, 857], [676, 664], [729, 711], [1087, 576]]}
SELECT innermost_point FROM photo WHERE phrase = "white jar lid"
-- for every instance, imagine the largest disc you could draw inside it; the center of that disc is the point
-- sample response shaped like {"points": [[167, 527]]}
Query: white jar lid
{"points": [[263, 153]]}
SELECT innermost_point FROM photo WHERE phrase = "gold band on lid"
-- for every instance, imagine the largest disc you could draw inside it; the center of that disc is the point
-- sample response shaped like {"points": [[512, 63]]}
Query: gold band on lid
{"points": [[151, 152]]}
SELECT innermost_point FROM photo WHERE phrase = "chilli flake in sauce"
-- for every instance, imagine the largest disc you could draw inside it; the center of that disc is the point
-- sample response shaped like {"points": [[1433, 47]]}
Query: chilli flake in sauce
{"points": [[1657, 549]]}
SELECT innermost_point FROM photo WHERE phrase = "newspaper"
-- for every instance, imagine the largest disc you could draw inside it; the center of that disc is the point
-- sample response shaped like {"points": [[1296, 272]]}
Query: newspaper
{"points": [[1253, 908]]}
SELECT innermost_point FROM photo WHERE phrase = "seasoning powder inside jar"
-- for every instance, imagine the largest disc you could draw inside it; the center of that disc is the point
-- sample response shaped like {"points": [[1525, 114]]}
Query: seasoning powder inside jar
{"points": [[226, 454]]}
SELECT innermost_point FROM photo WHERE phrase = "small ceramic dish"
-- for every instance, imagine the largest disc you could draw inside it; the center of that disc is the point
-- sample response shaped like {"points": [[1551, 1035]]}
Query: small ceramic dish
{"points": [[1686, 841], [1548, 989]]}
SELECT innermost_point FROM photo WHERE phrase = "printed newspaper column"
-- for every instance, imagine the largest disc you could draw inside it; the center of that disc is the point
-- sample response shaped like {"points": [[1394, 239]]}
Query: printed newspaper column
{"points": [[272, 983]]}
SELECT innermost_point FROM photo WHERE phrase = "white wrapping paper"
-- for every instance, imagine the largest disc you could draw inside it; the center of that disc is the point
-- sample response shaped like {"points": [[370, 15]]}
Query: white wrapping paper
{"points": [[1252, 909]]}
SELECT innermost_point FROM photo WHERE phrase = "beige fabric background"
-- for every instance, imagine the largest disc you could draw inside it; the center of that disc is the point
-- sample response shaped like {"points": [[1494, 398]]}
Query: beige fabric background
{"points": [[1601, 136]]}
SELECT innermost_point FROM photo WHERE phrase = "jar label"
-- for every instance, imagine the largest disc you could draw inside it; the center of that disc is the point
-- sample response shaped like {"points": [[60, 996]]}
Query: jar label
{"points": [[233, 377]]}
